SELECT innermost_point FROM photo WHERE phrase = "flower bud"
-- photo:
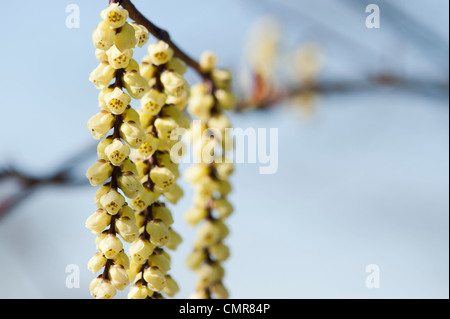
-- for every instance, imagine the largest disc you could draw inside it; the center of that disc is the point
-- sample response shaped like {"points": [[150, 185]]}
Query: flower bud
{"points": [[162, 213], [222, 79], [99, 194], [153, 101], [161, 262], [98, 221], [174, 83], [118, 276], [117, 101], [226, 99], [129, 166], [119, 59], [100, 237], [100, 124], [112, 201], [136, 85], [163, 178], [110, 246], [141, 33], [209, 273], [102, 75], [195, 215], [101, 55], [117, 152], [159, 232], [99, 172], [174, 240], [201, 105], [208, 61], [97, 262], [144, 199], [101, 97], [141, 250], [93, 286], [114, 15], [138, 291], [125, 39], [155, 279], [122, 259], [149, 147], [195, 259], [132, 133], [160, 53], [174, 195], [223, 208], [172, 287], [130, 185], [219, 290], [127, 229], [101, 148], [103, 36], [220, 252], [147, 70], [130, 115], [105, 290], [177, 65]]}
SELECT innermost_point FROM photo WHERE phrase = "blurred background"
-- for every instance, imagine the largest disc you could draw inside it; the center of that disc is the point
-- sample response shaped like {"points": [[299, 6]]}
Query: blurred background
{"points": [[363, 127]]}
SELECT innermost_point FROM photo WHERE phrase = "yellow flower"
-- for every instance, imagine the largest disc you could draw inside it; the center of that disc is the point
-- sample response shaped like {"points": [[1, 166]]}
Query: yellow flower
{"points": [[174, 83], [159, 232], [153, 101], [98, 221], [119, 277], [132, 133], [138, 291], [160, 53], [99, 172], [163, 178], [117, 101], [125, 39], [172, 287], [102, 75], [163, 213], [112, 201], [130, 185], [208, 61], [141, 33], [136, 85], [100, 124], [127, 229], [97, 262], [174, 240], [155, 279], [114, 15], [103, 36], [110, 246], [117, 152], [141, 250], [119, 59]]}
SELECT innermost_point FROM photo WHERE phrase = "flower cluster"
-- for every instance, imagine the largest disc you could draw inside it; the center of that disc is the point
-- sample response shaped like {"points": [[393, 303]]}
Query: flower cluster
{"points": [[209, 101], [161, 114], [115, 172]]}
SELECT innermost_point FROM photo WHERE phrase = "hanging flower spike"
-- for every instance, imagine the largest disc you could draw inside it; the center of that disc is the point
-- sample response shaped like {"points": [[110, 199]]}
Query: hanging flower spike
{"points": [[114, 40], [161, 112], [209, 101]]}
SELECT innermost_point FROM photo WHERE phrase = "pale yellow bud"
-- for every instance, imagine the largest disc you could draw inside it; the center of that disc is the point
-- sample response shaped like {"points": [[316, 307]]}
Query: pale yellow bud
{"points": [[162, 213], [210, 233], [138, 291], [147, 70], [209, 273], [136, 85], [208, 61], [224, 188], [141, 33], [196, 173], [130, 185], [117, 101], [153, 101], [164, 159], [119, 277], [174, 83], [155, 279], [179, 116], [119, 59], [142, 167], [110, 246], [161, 262], [149, 147], [129, 166], [201, 105], [98, 221], [125, 39], [103, 36], [93, 286], [101, 98], [114, 15], [160, 53], [195, 259], [130, 115], [100, 237], [222, 79], [117, 152], [134, 271], [99, 172], [132, 133], [112, 201], [219, 290], [177, 65], [172, 287], [127, 229], [102, 75], [159, 232], [100, 124], [122, 259], [195, 215], [145, 198], [101, 55], [219, 121], [174, 240], [128, 212], [179, 102], [97, 262], [220, 252], [163, 178], [140, 219], [174, 195], [99, 194], [133, 66], [226, 99], [223, 208], [141, 250], [165, 127], [101, 148], [105, 290]]}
